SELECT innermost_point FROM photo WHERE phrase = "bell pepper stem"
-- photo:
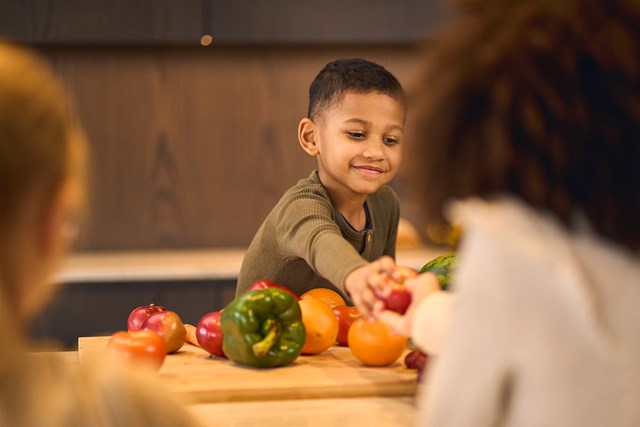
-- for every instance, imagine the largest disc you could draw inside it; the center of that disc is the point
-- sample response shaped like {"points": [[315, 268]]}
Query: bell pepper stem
{"points": [[270, 338]]}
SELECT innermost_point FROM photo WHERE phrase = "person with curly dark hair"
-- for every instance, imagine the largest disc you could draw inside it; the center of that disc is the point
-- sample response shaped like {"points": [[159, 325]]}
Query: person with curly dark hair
{"points": [[527, 136]]}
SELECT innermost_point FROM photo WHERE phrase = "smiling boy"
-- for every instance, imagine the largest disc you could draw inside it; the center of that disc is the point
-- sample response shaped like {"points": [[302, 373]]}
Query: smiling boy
{"points": [[325, 231]]}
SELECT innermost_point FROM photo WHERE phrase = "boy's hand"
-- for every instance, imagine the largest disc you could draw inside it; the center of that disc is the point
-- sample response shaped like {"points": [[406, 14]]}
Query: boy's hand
{"points": [[362, 282], [420, 287]]}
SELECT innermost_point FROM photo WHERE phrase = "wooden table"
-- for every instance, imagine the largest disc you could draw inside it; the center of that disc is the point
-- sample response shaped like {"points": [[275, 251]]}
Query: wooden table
{"points": [[339, 412], [328, 389]]}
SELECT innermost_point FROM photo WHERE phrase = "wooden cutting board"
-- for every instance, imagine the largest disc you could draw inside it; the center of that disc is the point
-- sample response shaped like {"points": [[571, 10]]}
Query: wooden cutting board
{"points": [[333, 373]]}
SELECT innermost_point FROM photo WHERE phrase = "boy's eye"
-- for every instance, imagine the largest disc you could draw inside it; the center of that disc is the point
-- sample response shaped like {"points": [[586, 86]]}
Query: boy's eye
{"points": [[355, 134], [390, 140]]}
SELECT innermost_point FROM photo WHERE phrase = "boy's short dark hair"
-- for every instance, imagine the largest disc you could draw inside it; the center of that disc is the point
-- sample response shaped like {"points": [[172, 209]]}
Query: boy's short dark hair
{"points": [[350, 75]]}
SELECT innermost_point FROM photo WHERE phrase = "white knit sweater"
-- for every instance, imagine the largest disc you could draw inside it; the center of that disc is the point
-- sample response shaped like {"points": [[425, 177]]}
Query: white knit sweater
{"points": [[544, 329]]}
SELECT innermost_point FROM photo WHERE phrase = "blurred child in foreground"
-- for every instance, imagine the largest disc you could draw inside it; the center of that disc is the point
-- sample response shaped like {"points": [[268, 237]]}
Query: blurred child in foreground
{"points": [[42, 164], [529, 117]]}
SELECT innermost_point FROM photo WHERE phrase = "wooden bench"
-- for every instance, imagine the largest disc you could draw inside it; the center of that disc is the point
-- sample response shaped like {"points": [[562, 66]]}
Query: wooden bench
{"points": [[203, 264]]}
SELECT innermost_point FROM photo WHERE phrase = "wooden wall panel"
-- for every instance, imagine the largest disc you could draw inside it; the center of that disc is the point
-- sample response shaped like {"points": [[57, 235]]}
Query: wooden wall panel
{"points": [[193, 146], [328, 21], [79, 22], [246, 22]]}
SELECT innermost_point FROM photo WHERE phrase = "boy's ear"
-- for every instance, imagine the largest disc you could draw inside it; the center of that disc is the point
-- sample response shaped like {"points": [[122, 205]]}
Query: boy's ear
{"points": [[307, 136]]}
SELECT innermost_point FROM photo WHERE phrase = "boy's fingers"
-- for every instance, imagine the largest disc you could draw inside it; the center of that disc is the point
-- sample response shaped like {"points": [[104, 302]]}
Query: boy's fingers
{"points": [[396, 322], [365, 302], [378, 307], [425, 282], [378, 281], [384, 264]]}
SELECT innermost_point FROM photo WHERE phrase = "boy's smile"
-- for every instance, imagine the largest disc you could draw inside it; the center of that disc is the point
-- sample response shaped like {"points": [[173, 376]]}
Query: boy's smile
{"points": [[357, 144]]}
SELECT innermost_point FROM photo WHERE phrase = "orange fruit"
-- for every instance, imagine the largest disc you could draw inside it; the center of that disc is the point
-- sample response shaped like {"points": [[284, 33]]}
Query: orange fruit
{"points": [[328, 296], [373, 343], [321, 325]]}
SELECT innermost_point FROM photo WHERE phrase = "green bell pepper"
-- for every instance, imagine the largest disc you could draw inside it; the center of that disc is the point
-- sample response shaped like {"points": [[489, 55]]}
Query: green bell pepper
{"points": [[263, 328]]}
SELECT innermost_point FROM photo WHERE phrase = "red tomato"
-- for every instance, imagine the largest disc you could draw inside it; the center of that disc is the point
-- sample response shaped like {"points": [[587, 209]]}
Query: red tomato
{"points": [[209, 333], [346, 316], [263, 284], [169, 326], [374, 344], [139, 346]]}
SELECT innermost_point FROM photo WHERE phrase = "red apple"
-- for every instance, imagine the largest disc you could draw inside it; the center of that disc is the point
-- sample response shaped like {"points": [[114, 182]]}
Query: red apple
{"points": [[397, 299], [209, 334], [140, 314], [263, 284], [346, 316], [170, 327]]}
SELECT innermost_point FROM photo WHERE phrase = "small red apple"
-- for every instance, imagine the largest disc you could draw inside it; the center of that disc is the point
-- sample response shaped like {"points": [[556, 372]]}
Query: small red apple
{"points": [[209, 334], [397, 300], [170, 327], [140, 314]]}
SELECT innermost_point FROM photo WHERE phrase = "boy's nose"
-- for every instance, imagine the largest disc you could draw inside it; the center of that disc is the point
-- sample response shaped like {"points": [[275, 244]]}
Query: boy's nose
{"points": [[373, 149]]}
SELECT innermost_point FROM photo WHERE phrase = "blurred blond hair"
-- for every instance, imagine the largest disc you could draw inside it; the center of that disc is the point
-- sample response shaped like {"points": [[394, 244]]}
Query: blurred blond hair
{"points": [[42, 151]]}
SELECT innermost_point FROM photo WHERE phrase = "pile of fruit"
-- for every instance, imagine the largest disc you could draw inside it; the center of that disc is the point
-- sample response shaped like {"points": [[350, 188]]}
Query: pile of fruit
{"points": [[270, 326]]}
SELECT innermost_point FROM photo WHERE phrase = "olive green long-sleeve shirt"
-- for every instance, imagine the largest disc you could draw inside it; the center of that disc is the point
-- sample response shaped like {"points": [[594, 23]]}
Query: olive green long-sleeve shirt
{"points": [[306, 243]]}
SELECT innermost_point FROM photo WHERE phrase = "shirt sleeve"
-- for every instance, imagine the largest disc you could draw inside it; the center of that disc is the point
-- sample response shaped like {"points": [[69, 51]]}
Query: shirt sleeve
{"points": [[306, 229], [468, 382]]}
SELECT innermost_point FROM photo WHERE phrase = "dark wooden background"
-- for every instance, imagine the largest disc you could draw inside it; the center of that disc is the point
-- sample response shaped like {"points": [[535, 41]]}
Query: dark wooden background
{"points": [[193, 145]]}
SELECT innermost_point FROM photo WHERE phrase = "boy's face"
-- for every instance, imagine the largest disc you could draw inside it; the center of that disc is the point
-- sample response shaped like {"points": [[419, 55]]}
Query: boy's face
{"points": [[358, 143]]}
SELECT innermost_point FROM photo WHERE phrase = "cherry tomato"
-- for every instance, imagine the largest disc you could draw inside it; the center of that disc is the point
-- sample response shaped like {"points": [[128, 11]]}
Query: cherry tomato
{"points": [[374, 344], [346, 316], [145, 347], [263, 284]]}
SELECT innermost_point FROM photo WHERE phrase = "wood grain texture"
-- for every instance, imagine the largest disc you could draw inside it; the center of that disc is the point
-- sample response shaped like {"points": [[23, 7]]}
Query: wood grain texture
{"points": [[192, 147], [343, 412], [333, 373], [246, 22], [78, 22], [367, 22]]}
